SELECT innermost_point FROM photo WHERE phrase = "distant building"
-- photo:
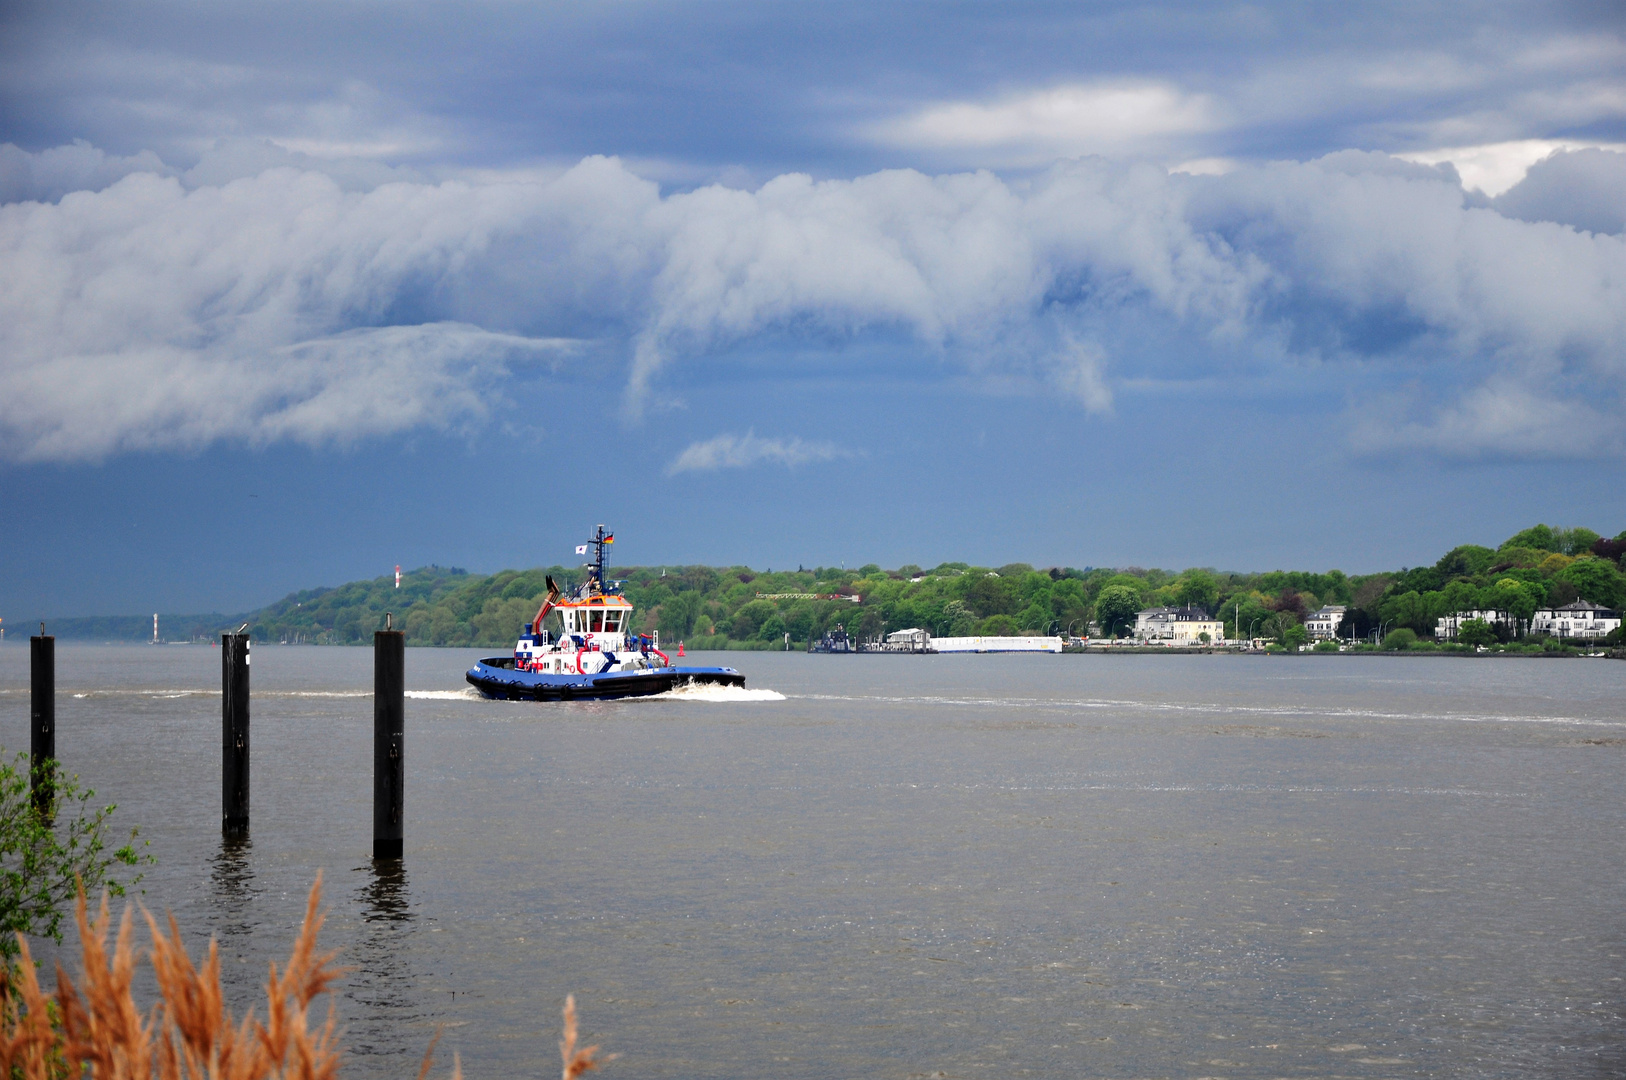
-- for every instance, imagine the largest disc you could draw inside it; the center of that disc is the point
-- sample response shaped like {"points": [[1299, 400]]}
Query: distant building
{"points": [[913, 639], [1177, 626], [1582, 619], [1446, 627], [1324, 624]]}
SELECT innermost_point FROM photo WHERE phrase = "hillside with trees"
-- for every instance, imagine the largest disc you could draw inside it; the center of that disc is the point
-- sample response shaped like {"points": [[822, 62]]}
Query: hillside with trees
{"points": [[737, 607]]}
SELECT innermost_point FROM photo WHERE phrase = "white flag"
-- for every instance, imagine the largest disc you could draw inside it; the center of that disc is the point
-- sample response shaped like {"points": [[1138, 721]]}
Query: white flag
{"points": [[582, 550]]}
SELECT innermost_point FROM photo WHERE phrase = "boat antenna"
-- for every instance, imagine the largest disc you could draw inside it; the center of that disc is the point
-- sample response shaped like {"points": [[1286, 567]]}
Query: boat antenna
{"points": [[598, 541]]}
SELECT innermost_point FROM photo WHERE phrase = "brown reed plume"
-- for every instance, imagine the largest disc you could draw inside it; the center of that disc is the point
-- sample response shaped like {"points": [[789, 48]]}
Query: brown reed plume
{"points": [[189, 1034], [577, 1061]]}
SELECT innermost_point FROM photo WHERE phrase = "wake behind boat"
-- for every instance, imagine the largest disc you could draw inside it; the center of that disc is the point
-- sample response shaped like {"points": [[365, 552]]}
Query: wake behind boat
{"points": [[596, 655]]}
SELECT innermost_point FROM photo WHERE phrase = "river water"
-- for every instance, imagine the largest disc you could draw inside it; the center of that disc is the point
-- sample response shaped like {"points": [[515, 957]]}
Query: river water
{"points": [[905, 866]]}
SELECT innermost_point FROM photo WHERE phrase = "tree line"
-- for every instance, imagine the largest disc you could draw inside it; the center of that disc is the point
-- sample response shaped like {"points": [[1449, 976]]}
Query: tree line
{"points": [[738, 607]]}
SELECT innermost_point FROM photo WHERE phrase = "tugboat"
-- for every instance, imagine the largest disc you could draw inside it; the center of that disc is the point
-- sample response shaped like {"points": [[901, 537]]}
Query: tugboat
{"points": [[834, 641], [595, 657]]}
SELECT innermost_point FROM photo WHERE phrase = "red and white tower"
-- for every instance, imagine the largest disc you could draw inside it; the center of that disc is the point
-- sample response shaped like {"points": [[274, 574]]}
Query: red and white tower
{"points": [[397, 575]]}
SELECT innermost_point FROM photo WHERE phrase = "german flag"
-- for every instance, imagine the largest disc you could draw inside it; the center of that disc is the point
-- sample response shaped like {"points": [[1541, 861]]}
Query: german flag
{"points": [[609, 538]]}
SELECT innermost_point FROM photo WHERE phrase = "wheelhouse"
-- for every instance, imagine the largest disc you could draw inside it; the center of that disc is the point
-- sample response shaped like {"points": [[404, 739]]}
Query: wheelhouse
{"points": [[597, 615]]}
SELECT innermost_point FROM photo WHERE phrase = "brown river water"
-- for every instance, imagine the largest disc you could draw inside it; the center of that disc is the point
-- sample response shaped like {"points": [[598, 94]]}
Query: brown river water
{"points": [[907, 866]]}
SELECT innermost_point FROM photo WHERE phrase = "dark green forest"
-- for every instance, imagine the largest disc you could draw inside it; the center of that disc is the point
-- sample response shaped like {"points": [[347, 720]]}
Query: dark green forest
{"points": [[713, 607]]}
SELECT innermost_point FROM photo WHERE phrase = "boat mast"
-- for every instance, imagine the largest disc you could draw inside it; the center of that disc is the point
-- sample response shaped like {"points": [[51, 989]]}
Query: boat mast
{"points": [[598, 559]]}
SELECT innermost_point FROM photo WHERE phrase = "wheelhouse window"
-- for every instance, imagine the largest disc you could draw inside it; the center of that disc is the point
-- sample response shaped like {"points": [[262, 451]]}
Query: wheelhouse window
{"points": [[612, 621], [595, 622]]}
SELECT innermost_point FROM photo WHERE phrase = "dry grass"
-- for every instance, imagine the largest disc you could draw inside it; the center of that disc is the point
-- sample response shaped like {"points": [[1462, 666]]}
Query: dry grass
{"points": [[189, 1034]]}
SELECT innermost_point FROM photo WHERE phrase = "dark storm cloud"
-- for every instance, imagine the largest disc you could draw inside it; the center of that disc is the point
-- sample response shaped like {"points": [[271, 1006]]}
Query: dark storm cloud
{"points": [[692, 89]]}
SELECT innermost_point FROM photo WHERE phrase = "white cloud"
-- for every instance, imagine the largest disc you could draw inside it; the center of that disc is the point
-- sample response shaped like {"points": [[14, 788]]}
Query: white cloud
{"points": [[1582, 188], [79, 166], [1495, 167], [288, 304], [1063, 121], [742, 451], [1501, 419], [1081, 376]]}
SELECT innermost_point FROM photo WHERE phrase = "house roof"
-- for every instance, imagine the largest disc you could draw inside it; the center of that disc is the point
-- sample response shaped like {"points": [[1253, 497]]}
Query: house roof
{"points": [[1580, 605], [1177, 614]]}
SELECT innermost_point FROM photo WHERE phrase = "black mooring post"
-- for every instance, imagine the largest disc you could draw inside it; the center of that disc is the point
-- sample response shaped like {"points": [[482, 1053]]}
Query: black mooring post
{"points": [[234, 733], [41, 717], [389, 752]]}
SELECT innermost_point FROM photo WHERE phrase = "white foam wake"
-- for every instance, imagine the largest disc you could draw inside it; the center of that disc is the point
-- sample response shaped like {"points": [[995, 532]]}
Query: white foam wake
{"points": [[468, 693], [713, 692]]}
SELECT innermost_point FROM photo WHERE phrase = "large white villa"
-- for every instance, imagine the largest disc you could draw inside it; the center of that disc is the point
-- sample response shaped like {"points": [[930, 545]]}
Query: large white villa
{"points": [[1177, 626], [1446, 626], [1324, 624], [1582, 619]]}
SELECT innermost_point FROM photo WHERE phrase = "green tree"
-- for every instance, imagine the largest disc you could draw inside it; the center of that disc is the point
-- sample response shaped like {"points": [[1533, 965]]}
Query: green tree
{"points": [[992, 596], [1294, 636], [1518, 598], [1576, 541], [1035, 618], [1539, 537], [1409, 609], [43, 859], [1069, 604], [1246, 618], [958, 620], [1594, 579], [1476, 632], [1197, 588], [748, 619], [1466, 561], [1399, 639], [1116, 608], [679, 613]]}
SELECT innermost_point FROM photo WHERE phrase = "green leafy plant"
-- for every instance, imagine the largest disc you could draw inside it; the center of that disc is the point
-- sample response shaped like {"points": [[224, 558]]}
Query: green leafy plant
{"points": [[1399, 639], [45, 856]]}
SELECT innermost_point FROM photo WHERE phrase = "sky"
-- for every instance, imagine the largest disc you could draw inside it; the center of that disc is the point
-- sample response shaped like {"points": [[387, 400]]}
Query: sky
{"points": [[294, 292]]}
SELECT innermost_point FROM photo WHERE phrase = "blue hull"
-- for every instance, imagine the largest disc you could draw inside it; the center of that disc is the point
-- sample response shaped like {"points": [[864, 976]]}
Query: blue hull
{"points": [[496, 677]]}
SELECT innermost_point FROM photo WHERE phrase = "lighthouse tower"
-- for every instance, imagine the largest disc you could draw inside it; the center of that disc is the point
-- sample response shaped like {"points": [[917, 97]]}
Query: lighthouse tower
{"points": [[397, 575]]}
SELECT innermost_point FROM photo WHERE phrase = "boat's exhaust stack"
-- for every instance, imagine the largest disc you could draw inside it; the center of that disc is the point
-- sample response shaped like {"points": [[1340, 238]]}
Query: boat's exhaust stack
{"points": [[547, 605]]}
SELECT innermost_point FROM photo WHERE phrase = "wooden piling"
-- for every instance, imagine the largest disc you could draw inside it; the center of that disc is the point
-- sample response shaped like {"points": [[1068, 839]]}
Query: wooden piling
{"points": [[389, 752], [42, 718], [234, 656]]}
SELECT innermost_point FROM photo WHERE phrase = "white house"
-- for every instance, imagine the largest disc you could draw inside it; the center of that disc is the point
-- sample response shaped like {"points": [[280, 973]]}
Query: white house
{"points": [[1324, 624], [1582, 619], [1177, 626], [1446, 626]]}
